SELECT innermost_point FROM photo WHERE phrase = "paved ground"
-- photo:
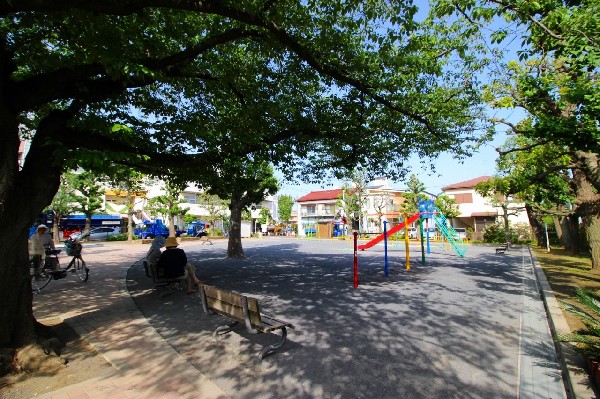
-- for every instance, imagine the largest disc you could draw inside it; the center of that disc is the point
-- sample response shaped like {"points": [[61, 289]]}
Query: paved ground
{"points": [[471, 327]]}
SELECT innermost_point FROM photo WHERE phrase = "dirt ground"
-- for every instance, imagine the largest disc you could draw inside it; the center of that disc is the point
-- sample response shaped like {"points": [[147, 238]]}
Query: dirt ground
{"points": [[77, 362]]}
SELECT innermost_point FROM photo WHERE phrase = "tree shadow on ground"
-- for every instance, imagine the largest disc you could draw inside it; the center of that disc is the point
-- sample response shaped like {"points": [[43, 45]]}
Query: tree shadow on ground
{"points": [[448, 328]]}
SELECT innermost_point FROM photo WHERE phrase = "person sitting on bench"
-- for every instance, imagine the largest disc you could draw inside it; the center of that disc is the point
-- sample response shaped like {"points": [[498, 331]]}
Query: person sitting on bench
{"points": [[173, 262], [154, 253]]}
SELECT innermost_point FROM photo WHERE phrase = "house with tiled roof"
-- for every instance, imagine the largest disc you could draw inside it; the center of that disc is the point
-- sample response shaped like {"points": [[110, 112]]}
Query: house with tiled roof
{"points": [[382, 204], [476, 212], [317, 206]]}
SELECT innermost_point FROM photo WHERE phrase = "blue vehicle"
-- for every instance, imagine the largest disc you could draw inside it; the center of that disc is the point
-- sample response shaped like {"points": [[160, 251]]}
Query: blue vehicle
{"points": [[151, 229], [197, 228]]}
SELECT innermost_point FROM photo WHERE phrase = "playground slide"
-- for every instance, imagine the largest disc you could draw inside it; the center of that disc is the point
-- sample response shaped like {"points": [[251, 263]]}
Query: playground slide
{"points": [[393, 230]]}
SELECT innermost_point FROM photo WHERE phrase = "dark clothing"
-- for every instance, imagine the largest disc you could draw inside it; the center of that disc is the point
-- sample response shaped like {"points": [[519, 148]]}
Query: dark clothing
{"points": [[172, 261]]}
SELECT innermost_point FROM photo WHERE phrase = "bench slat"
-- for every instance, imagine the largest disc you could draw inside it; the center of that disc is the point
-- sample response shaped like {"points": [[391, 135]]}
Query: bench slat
{"points": [[230, 303], [242, 309], [270, 323]]}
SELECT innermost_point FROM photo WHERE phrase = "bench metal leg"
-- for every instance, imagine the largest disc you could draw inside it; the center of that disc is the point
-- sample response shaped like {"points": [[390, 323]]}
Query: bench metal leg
{"points": [[225, 329], [271, 348]]}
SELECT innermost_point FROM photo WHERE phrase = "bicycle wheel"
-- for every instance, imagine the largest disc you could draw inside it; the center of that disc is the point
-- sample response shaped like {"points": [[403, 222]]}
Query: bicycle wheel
{"points": [[40, 279], [80, 269]]}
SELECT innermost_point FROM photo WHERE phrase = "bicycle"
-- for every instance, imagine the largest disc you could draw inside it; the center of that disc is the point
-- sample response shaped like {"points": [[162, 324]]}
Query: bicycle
{"points": [[52, 270]]}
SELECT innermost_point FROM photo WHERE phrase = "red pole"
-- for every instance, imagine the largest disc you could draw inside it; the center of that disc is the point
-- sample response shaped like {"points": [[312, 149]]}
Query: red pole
{"points": [[355, 260]]}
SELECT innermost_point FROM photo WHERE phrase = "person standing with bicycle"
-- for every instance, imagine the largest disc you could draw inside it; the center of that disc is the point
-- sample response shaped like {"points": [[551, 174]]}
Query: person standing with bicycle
{"points": [[38, 244]]}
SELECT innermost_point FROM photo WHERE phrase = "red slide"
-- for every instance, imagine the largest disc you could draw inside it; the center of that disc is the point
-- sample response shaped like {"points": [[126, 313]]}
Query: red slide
{"points": [[393, 230]]}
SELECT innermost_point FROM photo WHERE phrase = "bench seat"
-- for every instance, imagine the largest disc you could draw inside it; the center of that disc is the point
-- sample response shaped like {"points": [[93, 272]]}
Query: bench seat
{"points": [[502, 248], [241, 309]]}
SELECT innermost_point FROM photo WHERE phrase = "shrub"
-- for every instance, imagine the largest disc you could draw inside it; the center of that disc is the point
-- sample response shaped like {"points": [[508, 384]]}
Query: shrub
{"points": [[119, 237], [588, 340], [520, 233], [494, 233], [216, 232]]}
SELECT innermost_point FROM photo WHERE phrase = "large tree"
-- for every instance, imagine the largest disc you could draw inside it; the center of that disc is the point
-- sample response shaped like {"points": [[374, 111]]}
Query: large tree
{"points": [[183, 85], [556, 84], [248, 182]]}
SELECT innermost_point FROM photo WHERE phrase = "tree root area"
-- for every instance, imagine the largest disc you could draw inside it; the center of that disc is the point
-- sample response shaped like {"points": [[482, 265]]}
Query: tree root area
{"points": [[59, 358]]}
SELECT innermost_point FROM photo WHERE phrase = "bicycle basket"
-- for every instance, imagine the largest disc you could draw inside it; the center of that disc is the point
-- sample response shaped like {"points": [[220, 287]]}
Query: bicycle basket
{"points": [[58, 274], [73, 248]]}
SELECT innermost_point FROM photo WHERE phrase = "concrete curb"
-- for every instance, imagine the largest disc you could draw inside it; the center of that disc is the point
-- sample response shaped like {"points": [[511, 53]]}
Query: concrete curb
{"points": [[575, 376]]}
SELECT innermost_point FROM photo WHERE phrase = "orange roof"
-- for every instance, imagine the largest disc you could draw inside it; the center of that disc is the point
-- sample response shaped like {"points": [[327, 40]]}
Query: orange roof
{"points": [[321, 195], [467, 183]]}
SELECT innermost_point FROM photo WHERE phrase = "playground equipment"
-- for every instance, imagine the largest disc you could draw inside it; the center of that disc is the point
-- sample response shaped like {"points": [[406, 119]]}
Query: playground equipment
{"points": [[427, 210], [393, 230], [449, 233]]}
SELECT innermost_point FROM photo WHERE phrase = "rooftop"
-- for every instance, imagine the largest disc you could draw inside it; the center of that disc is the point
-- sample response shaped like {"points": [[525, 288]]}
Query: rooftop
{"points": [[321, 195], [467, 183]]}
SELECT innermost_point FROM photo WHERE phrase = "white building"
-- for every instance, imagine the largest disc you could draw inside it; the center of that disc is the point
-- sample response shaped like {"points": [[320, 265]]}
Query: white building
{"points": [[477, 212]]}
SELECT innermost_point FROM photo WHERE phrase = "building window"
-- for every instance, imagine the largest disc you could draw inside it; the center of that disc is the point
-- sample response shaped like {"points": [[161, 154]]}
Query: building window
{"points": [[311, 209], [190, 198], [465, 198]]}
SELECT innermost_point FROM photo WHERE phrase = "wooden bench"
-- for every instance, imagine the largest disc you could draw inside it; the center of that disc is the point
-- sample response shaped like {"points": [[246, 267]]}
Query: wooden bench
{"points": [[241, 309], [502, 249]]}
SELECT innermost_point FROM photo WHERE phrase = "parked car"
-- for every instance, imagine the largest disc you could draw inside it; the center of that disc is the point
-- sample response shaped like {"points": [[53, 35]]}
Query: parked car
{"points": [[99, 233]]}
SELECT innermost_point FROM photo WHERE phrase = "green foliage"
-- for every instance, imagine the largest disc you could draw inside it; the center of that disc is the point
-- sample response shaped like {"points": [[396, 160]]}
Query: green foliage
{"points": [[447, 206], [302, 85], [353, 199], [285, 203], [264, 216], [187, 218], [169, 204], [88, 194], [214, 205], [216, 232], [589, 313], [119, 237], [520, 233], [413, 195], [494, 233]]}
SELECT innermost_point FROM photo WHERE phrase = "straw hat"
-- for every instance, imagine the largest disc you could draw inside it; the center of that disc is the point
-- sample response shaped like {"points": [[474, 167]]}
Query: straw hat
{"points": [[171, 242]]}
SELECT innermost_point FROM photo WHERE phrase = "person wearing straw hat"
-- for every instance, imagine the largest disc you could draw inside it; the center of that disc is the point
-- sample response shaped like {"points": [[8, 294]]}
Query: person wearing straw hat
{"points": [[173, 261]]}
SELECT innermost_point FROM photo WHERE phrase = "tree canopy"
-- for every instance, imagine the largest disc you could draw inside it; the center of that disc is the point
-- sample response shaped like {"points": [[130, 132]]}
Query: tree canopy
{"points": [[184, 88]]}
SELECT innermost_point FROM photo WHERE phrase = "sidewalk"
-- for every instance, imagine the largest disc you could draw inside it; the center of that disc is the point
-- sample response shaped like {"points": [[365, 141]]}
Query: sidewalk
{"points": [[427, 341], [104, 314]]}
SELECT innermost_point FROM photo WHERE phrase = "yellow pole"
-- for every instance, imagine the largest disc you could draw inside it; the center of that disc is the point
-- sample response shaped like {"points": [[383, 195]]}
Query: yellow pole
{"points": [[407, 244]]}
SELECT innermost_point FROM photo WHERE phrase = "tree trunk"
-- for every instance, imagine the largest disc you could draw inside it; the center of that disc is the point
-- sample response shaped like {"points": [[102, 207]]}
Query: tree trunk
{"points": [[56, 226], [536, 226], [171, 225], [23, 195], [589, 210], [506, 223], [130, 212], [234, 244]]}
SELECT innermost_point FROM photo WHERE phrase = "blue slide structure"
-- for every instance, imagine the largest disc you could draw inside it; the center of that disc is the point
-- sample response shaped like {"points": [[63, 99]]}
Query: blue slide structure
{"points": [[448, 231]]}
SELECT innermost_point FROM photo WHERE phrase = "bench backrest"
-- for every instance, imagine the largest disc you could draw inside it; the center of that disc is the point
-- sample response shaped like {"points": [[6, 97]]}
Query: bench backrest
{"points": [[232, 304]]}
